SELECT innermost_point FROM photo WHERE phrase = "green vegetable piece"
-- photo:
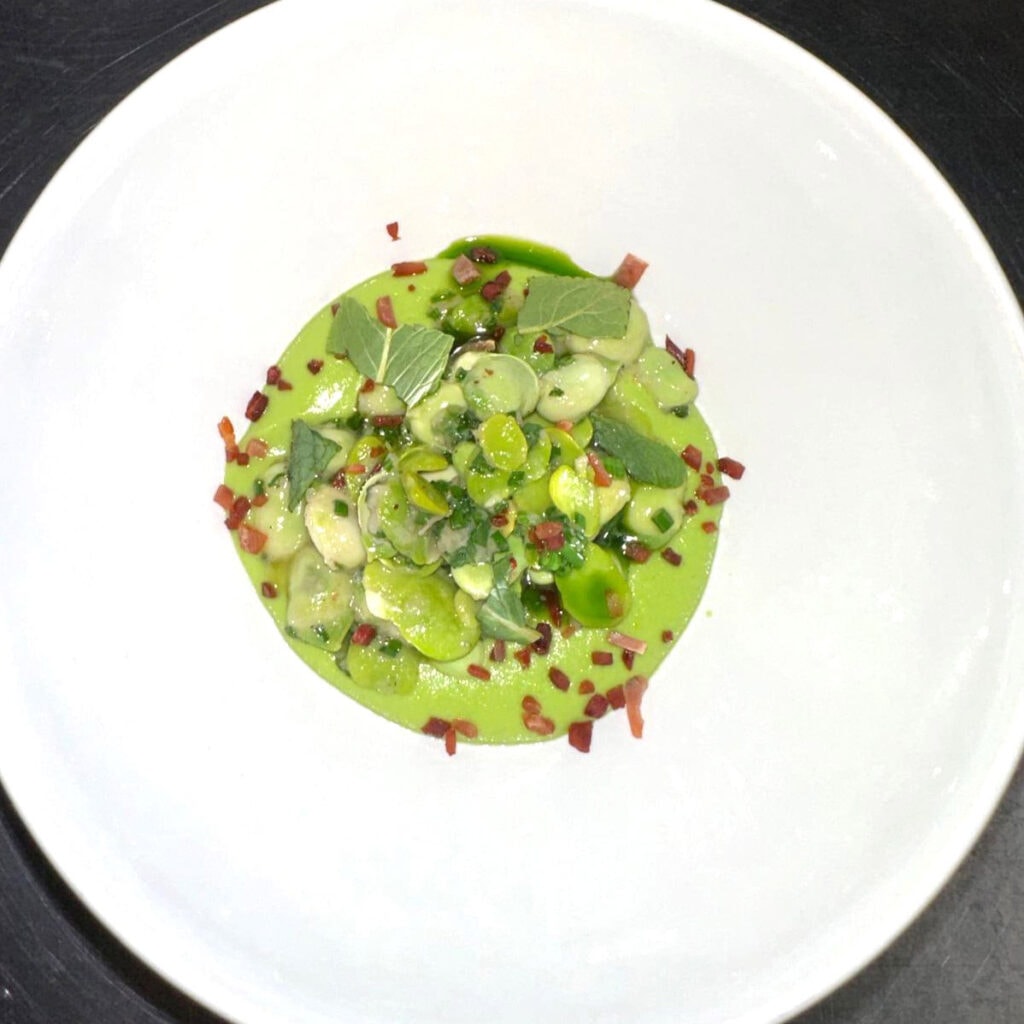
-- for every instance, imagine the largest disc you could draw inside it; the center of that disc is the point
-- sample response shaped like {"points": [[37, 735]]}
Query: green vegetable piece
{"points": [[476, 579], [386, 511], [502, 616], [383, 400], [611, 500], [319, 610], [308, 456], [284, 529], [583, 432], [571, 390], [430, 419], [430, 612], [654, 514], [488, 488], [564, 449], [597, 593], [575, 495], [497, 383], [667, 382], [335, 534], [592, 306], [379, 667], [502, 442], [422, 493], [538, 458], [646, 460], [472, 317], [622, 349]]}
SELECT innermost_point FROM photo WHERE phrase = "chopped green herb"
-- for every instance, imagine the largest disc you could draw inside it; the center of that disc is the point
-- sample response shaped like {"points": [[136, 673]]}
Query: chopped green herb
{"points": [[663, 520], [341, 508]]}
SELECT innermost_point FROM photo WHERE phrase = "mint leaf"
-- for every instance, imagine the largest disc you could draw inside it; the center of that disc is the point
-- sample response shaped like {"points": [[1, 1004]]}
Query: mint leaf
{"points": [[411, 359], [591, 306], [417, 359], [503, 617], [308, 456], [650, 462]]}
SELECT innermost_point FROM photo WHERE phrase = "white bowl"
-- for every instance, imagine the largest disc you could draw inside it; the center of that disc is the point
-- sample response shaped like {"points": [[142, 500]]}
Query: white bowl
{"points": [[832, 733]]}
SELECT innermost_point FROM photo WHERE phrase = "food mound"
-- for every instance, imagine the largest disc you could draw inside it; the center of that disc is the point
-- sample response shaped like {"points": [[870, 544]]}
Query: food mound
{"points": [[477, 498]]}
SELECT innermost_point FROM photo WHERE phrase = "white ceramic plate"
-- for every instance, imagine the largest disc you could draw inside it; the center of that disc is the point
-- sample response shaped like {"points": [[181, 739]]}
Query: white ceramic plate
{"points": [[836, 727]]}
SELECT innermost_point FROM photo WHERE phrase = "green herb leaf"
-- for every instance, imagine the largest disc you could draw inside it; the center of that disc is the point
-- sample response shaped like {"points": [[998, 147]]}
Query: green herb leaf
{"points": [[650, 462], [503, 617], [308, 456], [411, 359], [594, 307]]}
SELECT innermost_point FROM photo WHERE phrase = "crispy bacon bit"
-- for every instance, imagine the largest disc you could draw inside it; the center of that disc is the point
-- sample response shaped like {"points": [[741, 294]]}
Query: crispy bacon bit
{"points": [[450, 741], [257, 406], [498, 332], [464, 270], [634, 689], [706, 481], [616, 698], [315, 366], [602, 478], [674, 350], [259, 500], [690, 507], [709, 527], [483, 254], [242, 459], [689, 362], [224, 496], [493, 289], [585, 687], [523, 656], [543, 643], [363, 635], [239, 510], [392, 230], [629, 271], [543, 345], [251, 539], [273, 375], [395, 420], [367, 386], [635, 551], [536, 722], [268, 589], [568, 630], [554, 606], [548, 535], [627, 643], [709, 467], [672, 556], [386, 311], [354, 469], [436, 727], [284, 385], [227, 434], [596, 706], [465, 728], [601, 657], [615, 604], [478, 672], [408, 268], [377, 450], [731, 468], [693, 457], [666, 636], [531, 705], [628, 657], [499, 519], [498, 651], [339, 480], [335, 306], [257, 448], [580, 735], [410, 287], [715, 495], [558, 678]]}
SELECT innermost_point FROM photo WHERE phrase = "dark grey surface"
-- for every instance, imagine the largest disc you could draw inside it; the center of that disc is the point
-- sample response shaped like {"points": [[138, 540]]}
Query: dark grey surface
{"points": [[950, 73]]}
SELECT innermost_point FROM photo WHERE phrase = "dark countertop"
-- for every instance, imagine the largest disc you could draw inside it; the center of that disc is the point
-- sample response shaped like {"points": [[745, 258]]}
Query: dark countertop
{"points": [[950, 72]]}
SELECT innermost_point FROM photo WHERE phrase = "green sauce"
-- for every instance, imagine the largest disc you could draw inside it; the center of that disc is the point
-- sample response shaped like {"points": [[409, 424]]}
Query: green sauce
{"points": [[490, 454]]}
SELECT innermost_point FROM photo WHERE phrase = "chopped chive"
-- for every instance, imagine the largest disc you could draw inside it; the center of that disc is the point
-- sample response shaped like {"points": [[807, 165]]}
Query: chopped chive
{"points": [[663, 520], [341, 508], [556, 393], [391, 648], [321, 633], [259, 488]]}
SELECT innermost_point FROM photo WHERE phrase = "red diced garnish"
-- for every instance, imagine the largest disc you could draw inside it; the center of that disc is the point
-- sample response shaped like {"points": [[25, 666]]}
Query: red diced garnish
{"points": [[666, 636], [690, 507], [392, 230], [363, 635], [601, 657], [335, 306], [367, 386], [273, 375], [602, 478], [693, 457], [731, 468], [523, 656], [543, 643], [629, 271], [257, 448], [239, 510], [558, 678], [548, 535], [224, 496], [554, 606], [536, 722], [464, 269], [580, 735], [627, 643], [242, 459], [709, 527], [568, 630], [715, 495], [339, 480], [542, 345], [257, 406], [705, 481], [635, 688], [709, 467], [354, 469], [251, 539], [436, 727], [268, 589], [408, 268], [395, 420], [478, 672], [465, 728], [498, 650], [615, 603], [635, 551], [671, 556], [259, 500], [284, 385], [531, 705], [628, 657], [493, 289], [585, 687], [483, 254], [499, 519], [386, 311], [315, 366], [616, 698], [450, 741], [227, 434], [596, 706], [689, 362]]}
